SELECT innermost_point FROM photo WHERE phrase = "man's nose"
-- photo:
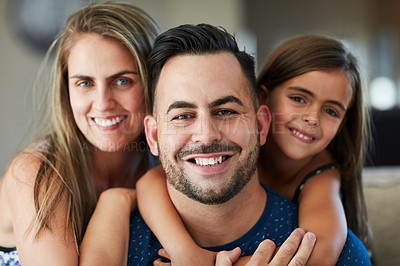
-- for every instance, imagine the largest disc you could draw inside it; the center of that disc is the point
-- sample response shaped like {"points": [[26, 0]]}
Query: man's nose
{"points": [[206, 131]]}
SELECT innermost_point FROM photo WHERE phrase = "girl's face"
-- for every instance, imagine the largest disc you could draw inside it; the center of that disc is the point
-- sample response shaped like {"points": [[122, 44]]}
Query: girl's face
{"points": [[106, 92], [307, 112]]}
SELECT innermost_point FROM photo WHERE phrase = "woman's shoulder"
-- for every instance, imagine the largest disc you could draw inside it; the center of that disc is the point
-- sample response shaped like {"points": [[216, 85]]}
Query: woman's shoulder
{"points": [[17, 189], [23, 168]]}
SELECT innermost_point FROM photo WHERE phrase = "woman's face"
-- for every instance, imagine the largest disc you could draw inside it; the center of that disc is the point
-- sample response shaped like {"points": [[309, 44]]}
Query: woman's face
{"points": [[106, 92], [307, 112]]}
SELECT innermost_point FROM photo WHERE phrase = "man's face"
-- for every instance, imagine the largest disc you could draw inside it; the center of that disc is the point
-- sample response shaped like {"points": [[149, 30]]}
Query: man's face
{"points": [[206, 128]]}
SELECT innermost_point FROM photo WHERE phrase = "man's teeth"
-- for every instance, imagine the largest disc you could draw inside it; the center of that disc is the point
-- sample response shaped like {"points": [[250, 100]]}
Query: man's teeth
{"points": [[208, 161], [107, 122]]}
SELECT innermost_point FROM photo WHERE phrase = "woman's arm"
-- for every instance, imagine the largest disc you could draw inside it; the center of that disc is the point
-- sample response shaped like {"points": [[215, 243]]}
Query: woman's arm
{"points": [[321, 212], [50, 245], [160, 214], [106, 239]]}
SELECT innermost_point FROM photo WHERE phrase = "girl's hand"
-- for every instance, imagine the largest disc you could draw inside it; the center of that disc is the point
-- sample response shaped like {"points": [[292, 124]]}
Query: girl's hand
{"points": [[202, 257]]}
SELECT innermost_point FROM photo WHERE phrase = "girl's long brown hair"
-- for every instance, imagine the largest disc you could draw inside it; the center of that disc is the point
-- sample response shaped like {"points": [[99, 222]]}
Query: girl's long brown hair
{"points": [[306, 53]]}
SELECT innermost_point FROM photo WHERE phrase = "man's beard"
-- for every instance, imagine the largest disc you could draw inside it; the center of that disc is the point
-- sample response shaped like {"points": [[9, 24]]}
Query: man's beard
{"points": [[181, 181]]}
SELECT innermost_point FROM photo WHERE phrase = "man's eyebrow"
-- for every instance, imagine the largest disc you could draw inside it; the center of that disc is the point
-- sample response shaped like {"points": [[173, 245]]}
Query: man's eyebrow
{"points": [[180, 104], [226, 99], [339, 104]]}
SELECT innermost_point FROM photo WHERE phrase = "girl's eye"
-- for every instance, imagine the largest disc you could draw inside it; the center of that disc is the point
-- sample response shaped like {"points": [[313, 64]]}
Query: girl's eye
{"points": [[298, 99], [122, 82], [84, 83], [332, 112]]}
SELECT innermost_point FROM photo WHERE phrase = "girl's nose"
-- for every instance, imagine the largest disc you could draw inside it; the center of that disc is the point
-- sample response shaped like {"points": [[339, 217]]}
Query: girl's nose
{"points": [[311, 118]]}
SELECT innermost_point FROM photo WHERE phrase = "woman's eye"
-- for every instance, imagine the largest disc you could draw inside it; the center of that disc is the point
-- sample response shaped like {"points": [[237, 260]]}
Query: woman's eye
{"points": [[122, 82], [84, 83], [297, 99]]}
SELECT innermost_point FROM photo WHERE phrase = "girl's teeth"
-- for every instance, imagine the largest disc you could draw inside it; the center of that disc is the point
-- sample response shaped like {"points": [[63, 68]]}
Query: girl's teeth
{"points": [[208, 161], [302, 136]]}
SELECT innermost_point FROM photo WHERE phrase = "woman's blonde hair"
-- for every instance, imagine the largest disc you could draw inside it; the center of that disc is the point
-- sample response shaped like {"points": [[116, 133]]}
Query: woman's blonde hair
{"points": [[306, 53], [66, 169]]}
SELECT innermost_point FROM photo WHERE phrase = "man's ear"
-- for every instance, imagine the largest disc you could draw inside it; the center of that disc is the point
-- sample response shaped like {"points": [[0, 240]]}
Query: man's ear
{"points": [[263, 94], [264, 121], [150, 128]]}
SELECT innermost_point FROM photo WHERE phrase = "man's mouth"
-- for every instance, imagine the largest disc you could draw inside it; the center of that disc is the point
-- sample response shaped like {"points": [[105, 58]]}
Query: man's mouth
{"points": [[211, 161], [213, 154]]}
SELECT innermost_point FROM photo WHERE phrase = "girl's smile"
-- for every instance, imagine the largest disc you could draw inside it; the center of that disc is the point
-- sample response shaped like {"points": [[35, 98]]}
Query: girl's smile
{"points": [[306, 115]]}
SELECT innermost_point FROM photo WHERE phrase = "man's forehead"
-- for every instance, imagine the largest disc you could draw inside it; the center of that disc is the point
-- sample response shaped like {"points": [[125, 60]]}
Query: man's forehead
{"points": [[201, 78]]}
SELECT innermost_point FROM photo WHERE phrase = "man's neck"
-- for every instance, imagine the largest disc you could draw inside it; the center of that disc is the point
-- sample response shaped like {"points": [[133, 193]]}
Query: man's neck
{"points": [[214, 225]]}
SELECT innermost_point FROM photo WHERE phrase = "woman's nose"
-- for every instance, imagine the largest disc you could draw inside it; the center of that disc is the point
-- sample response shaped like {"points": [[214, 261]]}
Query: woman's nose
{"points": [[103, 99]]}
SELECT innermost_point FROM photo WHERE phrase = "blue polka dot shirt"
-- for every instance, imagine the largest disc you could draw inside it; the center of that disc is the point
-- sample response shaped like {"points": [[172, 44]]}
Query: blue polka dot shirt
{"points": [[279, 219]]}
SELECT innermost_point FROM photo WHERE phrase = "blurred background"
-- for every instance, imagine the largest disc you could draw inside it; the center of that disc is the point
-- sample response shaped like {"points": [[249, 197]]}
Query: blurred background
{"points": [[371, 28]]}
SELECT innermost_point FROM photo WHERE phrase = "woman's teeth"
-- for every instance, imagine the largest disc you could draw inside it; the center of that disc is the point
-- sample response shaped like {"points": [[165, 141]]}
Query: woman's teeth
{"points": [[107, 122]]}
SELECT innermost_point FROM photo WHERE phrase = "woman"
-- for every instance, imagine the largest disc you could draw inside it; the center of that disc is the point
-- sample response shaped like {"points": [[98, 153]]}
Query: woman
{"points": [[97, 98]]}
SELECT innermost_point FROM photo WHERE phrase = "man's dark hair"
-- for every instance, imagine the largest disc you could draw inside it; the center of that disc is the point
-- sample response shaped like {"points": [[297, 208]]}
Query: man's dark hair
{"points": [[198, 39]]}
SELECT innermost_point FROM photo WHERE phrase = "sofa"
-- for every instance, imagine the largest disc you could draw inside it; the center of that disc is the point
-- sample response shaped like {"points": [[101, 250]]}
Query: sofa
{"points": [[382, 193]]}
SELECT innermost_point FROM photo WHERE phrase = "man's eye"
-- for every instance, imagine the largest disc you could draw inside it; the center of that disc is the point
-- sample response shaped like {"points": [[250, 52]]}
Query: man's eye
{"points": [[298, 99], [182, 117], [84, 83], [226, 112]]}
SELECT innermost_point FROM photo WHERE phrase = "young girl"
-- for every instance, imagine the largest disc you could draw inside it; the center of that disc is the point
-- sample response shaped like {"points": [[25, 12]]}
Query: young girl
{"points": [[314, 152], [316, 148], [97, 100]]}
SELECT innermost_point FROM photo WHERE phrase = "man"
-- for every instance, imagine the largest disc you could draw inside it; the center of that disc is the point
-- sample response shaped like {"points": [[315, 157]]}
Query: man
{"points": [[207, 128]]}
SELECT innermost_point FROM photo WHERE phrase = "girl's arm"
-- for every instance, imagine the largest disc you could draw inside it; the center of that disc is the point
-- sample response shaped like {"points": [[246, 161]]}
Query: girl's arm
{"points": [[160, 214], [106, 239], [50, 245], [321, 212]]}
